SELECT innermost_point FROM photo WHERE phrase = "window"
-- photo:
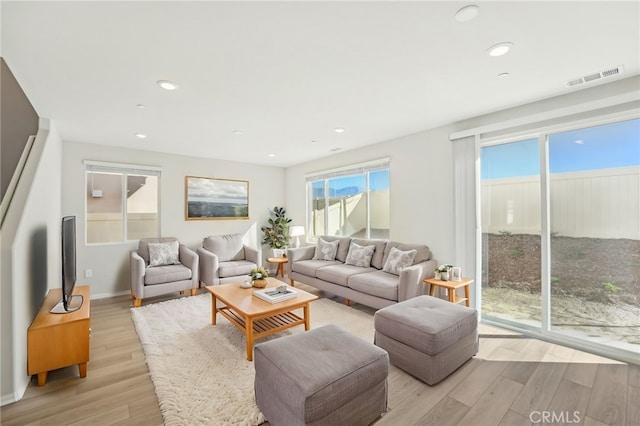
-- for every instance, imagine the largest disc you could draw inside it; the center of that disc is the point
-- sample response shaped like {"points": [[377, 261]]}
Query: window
{"points": [[561, 234], [122, 202], [352, 201]]}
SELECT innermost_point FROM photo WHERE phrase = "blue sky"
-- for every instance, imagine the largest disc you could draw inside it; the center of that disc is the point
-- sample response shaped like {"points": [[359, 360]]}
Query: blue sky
{"points": [[601, 147]]}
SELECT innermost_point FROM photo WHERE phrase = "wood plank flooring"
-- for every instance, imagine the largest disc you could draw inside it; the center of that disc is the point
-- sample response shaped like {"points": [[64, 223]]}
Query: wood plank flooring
{"points": [[513, 380]]}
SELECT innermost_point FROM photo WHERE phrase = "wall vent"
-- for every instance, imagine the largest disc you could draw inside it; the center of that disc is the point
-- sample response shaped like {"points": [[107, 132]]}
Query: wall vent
{"points": [[595, 76]]}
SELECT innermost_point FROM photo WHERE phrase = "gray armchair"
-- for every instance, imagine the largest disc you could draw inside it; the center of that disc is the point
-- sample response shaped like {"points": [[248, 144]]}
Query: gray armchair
{"points": [[225, 258], [161, 266]]}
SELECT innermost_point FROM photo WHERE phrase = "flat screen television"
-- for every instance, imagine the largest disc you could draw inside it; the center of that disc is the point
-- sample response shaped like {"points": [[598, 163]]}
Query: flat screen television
{"points": [[69, 302]]}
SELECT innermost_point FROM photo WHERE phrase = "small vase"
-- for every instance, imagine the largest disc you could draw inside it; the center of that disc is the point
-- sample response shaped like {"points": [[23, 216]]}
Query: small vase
{"points": [[259, 283], [444, 276]]}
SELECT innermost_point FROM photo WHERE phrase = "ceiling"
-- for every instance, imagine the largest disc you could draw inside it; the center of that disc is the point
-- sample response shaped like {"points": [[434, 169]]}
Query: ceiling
{"points": [[260, 78]]}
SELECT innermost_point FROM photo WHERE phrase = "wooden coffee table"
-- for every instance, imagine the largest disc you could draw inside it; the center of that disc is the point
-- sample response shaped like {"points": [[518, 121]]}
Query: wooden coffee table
{"points": [[254, 317]]}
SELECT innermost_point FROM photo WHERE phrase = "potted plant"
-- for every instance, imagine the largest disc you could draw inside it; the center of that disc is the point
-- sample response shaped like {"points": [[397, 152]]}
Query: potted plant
{"points": [[259, 277], [276, 233], [442, 272]]}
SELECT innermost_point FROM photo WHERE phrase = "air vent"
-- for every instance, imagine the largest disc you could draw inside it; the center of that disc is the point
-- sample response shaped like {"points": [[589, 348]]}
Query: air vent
{"points": [[595, 76]]}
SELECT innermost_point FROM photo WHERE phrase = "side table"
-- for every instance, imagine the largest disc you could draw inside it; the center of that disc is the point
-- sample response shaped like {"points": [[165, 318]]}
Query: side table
{"points": [[451, 287], [280, 261]]}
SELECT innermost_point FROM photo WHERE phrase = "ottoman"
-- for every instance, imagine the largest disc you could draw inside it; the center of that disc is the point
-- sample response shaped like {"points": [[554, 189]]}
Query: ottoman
{"points": [[427, 337], [326, 376]]}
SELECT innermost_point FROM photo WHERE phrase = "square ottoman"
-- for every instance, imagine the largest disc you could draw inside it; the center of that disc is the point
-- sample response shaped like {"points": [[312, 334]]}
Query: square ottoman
{"points": [[326, 376], [427, 337]]}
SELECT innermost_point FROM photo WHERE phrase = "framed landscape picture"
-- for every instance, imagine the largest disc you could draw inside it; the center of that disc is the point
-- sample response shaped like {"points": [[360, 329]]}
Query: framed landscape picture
{"points": [[211, 198]]}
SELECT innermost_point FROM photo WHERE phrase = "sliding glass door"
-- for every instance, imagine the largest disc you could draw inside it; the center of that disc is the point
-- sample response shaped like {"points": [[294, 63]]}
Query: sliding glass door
{"points": [[595, 233], [510, 194], [560, 221]]}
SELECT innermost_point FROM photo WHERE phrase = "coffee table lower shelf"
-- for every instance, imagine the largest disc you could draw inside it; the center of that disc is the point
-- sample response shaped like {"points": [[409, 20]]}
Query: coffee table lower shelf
{"points": [[264, 326]]}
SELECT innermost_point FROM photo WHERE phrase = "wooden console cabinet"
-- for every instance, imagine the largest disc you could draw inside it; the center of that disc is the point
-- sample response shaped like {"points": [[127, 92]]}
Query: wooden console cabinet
{"points": [[59, 340]]}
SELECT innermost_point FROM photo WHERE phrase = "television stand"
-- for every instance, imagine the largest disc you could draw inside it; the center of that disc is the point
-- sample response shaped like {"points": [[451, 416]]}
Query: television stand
{"points": [[55, 341], [74, 304]]}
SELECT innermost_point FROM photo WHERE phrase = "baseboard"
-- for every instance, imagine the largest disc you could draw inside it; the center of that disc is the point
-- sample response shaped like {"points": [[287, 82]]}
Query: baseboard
{"points": [[106, 295], [17, 395]]}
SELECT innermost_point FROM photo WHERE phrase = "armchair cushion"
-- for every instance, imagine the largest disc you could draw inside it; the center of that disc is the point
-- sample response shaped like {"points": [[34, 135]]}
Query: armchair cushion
{"points": [[161, 254], [143, 246], [234, 268], [226, 247], [166, 274]]}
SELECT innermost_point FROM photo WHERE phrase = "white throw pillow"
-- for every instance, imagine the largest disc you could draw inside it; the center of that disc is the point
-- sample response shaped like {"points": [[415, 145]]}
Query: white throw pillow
{"points": [[360, 255], [398, 260], [326, 250], [161, 254]]}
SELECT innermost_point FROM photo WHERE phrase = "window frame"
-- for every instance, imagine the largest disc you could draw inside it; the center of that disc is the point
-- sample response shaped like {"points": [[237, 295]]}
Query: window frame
{"points": [[124, 170], [325, 176]]}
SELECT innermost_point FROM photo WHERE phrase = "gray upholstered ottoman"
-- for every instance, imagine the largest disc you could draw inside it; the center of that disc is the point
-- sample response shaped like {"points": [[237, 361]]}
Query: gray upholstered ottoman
{"points": [[326, 376], [427, 337]]}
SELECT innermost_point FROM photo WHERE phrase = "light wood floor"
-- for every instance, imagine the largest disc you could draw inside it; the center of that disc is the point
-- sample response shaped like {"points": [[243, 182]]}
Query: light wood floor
{"points": [[511, 381]]}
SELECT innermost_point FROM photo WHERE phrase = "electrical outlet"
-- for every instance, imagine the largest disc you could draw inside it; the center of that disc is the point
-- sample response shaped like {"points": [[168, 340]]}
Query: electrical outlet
{"points": [[88, 273]]}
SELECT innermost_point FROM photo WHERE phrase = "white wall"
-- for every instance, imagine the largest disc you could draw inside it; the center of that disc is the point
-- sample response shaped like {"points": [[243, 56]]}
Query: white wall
{"points": [[30, 255], [421, 186], [110, 262]]}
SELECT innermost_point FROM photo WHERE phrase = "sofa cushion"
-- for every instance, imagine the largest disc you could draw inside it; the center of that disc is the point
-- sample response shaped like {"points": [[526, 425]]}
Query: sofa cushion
{"points": [[161, 254], [343, 246], [398, 260], [377, 283], [234, 268], [326, 250], [310, 267], [340, 273], [226, 247], [360, 255], [422, 251], [166, 274], [378, 254]]}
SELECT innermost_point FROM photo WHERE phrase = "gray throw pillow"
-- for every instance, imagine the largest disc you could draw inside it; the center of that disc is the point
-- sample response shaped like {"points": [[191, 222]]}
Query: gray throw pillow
{"points": [[398, 260], [360, 255], [326, 250], [161, 254]]}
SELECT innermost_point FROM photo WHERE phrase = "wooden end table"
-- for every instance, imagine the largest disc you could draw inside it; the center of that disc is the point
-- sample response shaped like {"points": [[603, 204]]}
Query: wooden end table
{"points": [[451, 287], [280, 261], [254, 317]]}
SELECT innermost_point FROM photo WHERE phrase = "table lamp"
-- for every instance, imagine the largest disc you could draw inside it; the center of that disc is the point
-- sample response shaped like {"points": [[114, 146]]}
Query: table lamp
{"points": [[296, 231]]}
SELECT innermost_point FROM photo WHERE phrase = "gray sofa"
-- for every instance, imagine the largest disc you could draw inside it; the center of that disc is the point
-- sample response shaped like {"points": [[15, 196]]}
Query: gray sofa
{"points": [[369, 285]]}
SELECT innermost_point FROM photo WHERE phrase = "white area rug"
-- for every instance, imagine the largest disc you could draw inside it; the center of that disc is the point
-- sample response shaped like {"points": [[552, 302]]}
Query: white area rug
{"points": [[200, 371]]}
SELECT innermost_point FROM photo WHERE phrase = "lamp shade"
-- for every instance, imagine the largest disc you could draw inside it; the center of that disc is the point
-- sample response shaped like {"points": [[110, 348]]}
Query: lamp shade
{"points": [[296, 231]]}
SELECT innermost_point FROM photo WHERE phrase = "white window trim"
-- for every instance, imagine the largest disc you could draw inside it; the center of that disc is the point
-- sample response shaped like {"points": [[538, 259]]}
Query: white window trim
{"points": [[125, 169]]}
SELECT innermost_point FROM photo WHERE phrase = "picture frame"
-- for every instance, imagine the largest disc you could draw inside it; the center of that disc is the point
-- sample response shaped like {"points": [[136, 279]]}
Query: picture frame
{"points": [[216, 199], [456, 274]]}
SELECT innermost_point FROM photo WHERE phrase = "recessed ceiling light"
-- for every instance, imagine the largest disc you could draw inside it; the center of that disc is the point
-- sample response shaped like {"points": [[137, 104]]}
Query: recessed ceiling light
{"points": [[314, 141], [237, 132], [141, 106], [467, 13], [271, 155], [335, 149], [141, 135], [167, 85], [338, 130], [504, 75], [499, 49]]}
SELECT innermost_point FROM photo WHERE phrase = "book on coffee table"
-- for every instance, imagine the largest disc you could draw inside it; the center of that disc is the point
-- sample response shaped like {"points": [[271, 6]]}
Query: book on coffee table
{"points": [[275, 294]]}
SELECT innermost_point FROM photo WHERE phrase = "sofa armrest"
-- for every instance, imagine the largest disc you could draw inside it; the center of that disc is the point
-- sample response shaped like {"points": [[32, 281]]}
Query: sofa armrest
{"points": [[189, 258], [251, 254], [209, 265], [137, 266], [301, 253], [410, 283]]}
